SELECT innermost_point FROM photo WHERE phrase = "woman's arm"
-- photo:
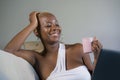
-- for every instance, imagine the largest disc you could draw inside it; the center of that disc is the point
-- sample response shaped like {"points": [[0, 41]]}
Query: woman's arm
{"points": [[96, 48], [15, 44]]}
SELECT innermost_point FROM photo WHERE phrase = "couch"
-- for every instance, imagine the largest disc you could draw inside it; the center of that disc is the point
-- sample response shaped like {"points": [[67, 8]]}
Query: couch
{"points": [[15, 68]]}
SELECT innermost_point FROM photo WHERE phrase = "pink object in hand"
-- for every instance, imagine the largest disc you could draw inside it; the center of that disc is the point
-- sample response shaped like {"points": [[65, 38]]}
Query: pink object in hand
{"points": [[87, 44]]}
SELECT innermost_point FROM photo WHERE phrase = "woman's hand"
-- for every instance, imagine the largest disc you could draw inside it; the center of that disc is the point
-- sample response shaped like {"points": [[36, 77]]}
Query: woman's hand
{"points": [[33, 19], [96, 48]]}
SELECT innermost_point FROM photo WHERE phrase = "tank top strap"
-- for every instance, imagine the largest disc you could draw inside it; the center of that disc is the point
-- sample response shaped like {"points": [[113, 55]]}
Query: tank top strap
{"points": [[60, 65]]}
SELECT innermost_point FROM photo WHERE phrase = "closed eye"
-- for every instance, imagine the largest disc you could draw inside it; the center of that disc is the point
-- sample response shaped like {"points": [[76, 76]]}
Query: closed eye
{"points": [[49, 25]]}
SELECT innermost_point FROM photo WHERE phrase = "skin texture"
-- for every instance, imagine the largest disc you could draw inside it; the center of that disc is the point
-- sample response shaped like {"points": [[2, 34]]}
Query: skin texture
{"points": [[45, 26]]}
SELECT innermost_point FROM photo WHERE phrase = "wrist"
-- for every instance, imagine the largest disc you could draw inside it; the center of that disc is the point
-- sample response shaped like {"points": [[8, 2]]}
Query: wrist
{"points": [[31, 27], [33, 24], [94, 63]]}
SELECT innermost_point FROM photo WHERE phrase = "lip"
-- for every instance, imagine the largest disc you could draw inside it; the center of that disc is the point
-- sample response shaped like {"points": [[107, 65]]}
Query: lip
{"points": [[54, 34]]}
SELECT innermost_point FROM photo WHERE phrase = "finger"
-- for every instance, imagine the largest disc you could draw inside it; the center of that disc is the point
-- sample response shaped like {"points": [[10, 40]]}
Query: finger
{"points": [[100, 45], [96, 46], [97, 43]]}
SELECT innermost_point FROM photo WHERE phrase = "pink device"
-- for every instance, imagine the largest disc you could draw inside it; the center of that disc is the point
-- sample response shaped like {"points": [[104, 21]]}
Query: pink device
{"points": [[87, 44]]}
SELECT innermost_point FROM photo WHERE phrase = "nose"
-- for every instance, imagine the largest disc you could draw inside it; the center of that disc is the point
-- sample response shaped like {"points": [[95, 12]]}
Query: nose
{"points": [[54, 27]]}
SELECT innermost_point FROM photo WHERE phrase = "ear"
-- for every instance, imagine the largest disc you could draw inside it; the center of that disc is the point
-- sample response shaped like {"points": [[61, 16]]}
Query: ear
{"points": [[35, 32]]}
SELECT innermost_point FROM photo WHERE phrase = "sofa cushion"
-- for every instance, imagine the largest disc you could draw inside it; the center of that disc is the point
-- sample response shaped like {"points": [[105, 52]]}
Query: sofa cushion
{"points": [[15, 68]]}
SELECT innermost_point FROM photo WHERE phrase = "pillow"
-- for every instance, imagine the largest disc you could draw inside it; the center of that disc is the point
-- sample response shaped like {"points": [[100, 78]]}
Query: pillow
{"points": [[15, 68], [33, 45]]}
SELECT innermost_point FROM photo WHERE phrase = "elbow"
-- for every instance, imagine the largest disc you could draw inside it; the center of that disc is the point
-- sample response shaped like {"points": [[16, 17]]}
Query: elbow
{"points": [[91, 69], [10, 50]]}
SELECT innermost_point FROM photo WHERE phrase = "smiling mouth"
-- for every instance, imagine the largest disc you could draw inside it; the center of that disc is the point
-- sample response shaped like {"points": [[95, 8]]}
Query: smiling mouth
{"points": [[54, 35]]}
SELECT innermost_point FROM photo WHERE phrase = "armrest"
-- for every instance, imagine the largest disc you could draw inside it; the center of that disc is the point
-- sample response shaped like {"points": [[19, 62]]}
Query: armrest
{"points": [[15, 68]]}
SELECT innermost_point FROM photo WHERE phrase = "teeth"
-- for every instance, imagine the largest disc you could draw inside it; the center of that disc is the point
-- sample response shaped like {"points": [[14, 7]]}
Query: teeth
{"points": [[54, 34]]}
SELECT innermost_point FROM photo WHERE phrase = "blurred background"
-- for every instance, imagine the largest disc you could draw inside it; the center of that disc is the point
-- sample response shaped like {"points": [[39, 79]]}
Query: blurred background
{"points": [[78, 19]]}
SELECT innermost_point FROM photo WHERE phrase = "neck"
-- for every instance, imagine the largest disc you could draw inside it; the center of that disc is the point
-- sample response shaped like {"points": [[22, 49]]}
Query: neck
{"points": [[51, 48]]}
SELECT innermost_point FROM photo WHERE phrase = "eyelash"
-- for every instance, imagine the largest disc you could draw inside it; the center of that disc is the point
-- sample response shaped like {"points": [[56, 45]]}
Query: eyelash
{"points": [[49, 25]]}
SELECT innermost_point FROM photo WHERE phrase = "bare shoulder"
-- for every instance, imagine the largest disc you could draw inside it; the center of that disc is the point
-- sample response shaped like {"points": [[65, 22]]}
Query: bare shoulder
{"points": [[74, 48]]}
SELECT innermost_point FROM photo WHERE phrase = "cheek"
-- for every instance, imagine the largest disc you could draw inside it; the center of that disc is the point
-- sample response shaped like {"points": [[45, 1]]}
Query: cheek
{"points": [[44, 29], [44, 32]]}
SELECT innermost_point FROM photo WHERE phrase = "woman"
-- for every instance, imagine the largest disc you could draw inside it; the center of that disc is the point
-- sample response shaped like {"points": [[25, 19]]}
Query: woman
{"points": [[57, 61]]}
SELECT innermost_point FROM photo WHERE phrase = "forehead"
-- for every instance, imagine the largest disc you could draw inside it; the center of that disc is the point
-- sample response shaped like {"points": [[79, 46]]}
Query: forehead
{"points": [[47, 17]]}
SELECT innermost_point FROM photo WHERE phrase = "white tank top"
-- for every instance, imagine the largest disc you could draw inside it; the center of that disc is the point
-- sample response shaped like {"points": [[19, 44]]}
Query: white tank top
{"points": [[60, 72]]}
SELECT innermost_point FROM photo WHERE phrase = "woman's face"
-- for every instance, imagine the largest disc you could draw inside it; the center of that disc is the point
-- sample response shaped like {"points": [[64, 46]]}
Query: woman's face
{"points": [[50, 30]]}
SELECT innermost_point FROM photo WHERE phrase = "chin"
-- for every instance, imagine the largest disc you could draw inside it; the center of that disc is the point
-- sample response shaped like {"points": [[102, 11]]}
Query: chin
{"points": [[53, 41]]}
